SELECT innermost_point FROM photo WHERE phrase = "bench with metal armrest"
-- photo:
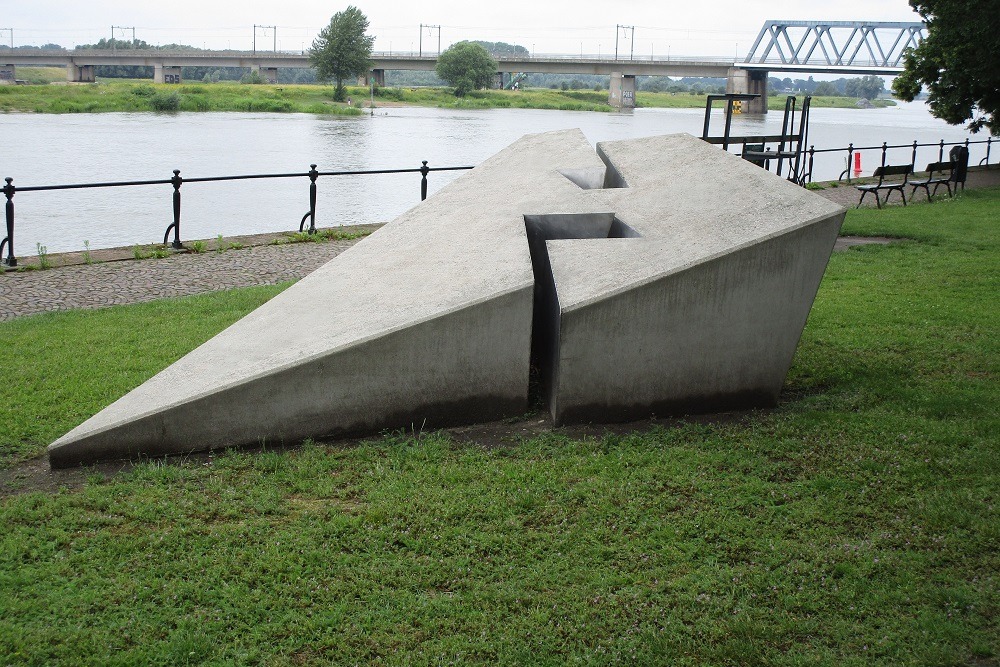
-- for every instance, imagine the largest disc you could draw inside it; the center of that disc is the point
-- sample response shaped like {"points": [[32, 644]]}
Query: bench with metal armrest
{"points": [[881, 174], [938, 174]]}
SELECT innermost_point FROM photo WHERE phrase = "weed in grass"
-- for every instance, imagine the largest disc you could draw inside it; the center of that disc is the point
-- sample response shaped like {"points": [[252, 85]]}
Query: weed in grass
{"points": [[303, 237], [335, 234], [43, 257]]}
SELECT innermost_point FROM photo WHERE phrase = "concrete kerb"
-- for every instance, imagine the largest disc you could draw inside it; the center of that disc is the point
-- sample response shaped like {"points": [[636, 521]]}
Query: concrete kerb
{"points": [[127, 253]]}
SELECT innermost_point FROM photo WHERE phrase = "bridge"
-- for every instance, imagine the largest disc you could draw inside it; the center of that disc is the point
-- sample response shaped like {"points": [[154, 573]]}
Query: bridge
{"points": [[832, 47]]}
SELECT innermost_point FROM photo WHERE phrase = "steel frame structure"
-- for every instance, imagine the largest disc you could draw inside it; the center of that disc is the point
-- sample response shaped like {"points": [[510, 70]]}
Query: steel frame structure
{"points": [[839, 43]]}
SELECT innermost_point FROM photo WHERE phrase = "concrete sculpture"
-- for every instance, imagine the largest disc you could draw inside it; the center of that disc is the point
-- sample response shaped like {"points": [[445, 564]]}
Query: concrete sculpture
{"points": [[652, 276]]}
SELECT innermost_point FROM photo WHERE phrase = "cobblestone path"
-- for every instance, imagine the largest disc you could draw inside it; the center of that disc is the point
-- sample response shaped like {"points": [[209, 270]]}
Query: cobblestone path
{"points": [[112, 283]]}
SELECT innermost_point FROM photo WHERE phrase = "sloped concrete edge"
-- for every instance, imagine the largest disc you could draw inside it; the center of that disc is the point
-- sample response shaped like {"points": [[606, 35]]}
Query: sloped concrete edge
{"points": [[717, 335], [468, 365]]}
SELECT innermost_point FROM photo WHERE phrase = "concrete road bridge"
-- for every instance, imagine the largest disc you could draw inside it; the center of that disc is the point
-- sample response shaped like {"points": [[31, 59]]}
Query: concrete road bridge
{"points": [[831, 47]]}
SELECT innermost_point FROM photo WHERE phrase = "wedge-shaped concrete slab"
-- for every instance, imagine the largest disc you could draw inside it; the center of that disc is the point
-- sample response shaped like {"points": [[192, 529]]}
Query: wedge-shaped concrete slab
{"points": [[656, 274], [705, 310]]}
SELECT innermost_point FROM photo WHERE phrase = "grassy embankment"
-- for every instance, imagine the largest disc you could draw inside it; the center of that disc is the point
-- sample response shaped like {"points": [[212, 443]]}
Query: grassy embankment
{"points": [[145, 96], [856, 524]]}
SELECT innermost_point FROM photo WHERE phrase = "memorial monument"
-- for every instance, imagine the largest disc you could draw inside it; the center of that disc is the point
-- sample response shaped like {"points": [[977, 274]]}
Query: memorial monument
{"points": [[649, 277]]}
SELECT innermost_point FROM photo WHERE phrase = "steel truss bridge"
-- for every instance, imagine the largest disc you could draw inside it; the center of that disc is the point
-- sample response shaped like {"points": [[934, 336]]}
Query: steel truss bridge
{"points": [[833, 46]]}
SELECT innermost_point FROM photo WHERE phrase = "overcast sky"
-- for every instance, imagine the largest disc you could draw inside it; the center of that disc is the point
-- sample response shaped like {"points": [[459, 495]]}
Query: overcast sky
{"points": [[718, 28]]}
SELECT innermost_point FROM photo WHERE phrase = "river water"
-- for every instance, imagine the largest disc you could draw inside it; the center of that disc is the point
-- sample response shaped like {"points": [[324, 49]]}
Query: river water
{"points": [[41, 149]]}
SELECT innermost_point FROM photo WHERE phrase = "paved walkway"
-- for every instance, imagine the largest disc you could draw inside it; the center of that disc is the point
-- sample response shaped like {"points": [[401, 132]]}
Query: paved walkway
{"points": [[130, 281]]}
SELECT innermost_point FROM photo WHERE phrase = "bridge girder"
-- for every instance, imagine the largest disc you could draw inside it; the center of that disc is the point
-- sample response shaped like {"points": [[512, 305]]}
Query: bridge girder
{"points": [[835, 43]]}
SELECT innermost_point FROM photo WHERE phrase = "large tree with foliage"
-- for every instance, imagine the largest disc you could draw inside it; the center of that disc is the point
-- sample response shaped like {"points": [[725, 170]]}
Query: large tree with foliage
{"points": [[342, 50], [958, 61], [868, 87], [466, 66]]}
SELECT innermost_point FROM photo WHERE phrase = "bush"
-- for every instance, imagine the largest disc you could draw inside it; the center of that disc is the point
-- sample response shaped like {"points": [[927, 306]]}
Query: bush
{"points": [[253, 77], [166, 101]]}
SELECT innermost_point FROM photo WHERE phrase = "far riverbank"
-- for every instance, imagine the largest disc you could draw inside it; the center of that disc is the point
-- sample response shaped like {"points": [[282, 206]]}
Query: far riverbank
{"points": [[139, 96]]}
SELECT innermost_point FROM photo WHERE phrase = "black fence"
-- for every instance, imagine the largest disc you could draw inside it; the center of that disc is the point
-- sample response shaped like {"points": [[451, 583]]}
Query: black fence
{"points": [[9, 190], [851, 150]]}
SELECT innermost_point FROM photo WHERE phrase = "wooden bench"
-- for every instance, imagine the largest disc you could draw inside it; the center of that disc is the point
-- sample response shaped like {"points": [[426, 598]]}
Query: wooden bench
{"points": [[881, 173], [938, 174]]}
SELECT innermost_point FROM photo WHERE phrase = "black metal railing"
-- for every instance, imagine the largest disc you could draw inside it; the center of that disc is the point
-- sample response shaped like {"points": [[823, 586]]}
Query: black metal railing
{"points": [[9, 190], [851, 150]]}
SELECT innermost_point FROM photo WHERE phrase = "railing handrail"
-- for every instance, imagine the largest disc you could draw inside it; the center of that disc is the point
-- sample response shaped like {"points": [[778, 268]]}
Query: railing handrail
{"points": [[851, 149], [9, 190], [891, 146], [235, 177]]}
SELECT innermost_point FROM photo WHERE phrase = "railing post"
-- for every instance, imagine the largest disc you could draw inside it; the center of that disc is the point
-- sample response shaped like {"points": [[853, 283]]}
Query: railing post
{"points": [[812, 154], [176, 225], [913, 158], [941, 152], [885, 148], [424, 170], [311, 213], [8, 191], [850, 161], [986, 160]]}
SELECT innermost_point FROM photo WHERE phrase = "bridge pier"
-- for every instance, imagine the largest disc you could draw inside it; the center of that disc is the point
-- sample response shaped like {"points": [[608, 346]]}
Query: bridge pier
{"points": [[269, 74], [8, 74], [742, 82], [500, 81], [621, 91], [166, 74], [80, 73], [377, 74]]}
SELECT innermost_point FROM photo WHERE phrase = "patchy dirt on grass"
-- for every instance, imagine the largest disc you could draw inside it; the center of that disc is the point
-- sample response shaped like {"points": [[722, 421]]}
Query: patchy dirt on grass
{"points": [[35, 475]]}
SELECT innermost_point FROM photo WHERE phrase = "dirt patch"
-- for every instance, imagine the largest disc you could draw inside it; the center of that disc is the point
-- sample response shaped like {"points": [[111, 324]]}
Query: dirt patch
{"points": [[35, 475], [845, 242]]}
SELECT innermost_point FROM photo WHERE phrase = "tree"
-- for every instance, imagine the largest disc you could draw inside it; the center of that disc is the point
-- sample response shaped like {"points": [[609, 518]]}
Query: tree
{"points": [[467, 66], [342, 50], [824, 89], [870, 86], [958, 61], [500, 49]]}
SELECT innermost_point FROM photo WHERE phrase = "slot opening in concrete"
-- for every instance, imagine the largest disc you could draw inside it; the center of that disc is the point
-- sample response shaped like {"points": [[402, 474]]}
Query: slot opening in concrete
{"points": [[545, 314]]}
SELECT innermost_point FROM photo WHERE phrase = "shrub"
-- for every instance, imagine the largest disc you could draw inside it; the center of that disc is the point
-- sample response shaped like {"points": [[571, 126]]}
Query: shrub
{"points": [[253, 77], [166, 101]]}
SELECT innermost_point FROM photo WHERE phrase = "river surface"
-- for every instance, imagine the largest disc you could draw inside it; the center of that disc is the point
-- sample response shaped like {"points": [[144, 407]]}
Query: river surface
{"points": [[42, 149]]}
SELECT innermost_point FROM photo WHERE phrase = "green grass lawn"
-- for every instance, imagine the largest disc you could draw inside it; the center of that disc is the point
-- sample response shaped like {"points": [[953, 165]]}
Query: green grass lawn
{"points": [[118, 95], [856, 524], [145, 96]]}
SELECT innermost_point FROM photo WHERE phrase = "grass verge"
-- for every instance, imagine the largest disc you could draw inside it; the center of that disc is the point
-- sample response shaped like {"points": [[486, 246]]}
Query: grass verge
{"points": [[227, 96], [854, 525]]}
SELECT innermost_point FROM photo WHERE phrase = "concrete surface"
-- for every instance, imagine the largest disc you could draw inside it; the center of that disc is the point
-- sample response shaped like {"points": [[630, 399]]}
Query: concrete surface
{"points": [[704, 311], [426, 322], [683, 283]]}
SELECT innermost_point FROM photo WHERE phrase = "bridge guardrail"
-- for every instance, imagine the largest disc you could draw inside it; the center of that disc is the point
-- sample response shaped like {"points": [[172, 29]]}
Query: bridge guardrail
{"points": [[9, 190]]}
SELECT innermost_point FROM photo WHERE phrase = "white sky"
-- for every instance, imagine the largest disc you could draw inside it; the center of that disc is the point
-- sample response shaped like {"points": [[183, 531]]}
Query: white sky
{"points": [[720, 28]]}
